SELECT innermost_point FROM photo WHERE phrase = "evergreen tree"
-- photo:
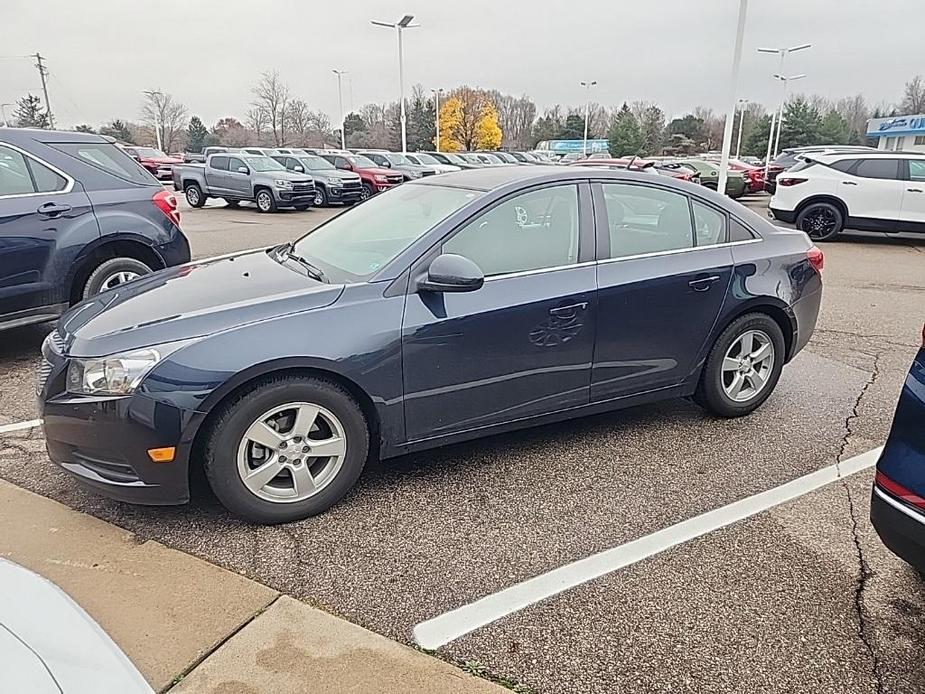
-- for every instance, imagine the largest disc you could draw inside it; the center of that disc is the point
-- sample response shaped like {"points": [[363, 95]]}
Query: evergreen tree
{"points": [[196, 135], [84, 129], [756, 144], [834, 129], [574, 128], [29, 113], [802, 124], [119, 131], [625, 136]]}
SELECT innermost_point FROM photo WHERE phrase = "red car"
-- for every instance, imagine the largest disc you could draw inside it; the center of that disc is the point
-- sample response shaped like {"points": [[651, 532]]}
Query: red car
{"points": [[374, 177], [681, 173], [154, 160], [754, 175]]}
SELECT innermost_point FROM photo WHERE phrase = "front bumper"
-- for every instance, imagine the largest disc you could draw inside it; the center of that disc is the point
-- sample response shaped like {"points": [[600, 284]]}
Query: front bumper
{"points": [[340, 194], [903, 532], [295, 197]]}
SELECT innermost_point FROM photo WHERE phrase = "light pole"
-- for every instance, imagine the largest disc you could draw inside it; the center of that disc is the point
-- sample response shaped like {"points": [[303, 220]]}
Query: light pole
{"points": [[6, 121], [437, 93], [340, 100], [733, 90], [403, 23], [587, 86], [780, 113], [783, 53], [156, 95], [741, 104]]}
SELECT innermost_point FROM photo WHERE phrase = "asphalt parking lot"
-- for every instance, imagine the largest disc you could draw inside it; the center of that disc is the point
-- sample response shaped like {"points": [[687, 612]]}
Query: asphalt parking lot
{"points": [[800, 597]]}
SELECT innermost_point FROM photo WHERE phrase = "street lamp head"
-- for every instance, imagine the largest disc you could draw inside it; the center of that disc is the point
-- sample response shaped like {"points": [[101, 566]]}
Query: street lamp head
{"points": [[800, 47], [405, 21], [770, 50], [382, 24]]}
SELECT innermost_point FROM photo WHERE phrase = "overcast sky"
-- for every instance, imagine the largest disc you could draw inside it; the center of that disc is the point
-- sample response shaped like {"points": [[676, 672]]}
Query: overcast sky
{"points": [[103, 53]]}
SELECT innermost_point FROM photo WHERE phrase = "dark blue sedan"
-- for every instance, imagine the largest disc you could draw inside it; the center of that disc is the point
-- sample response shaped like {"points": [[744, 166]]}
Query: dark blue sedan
{"points": [[898, 502], [450, 308]]}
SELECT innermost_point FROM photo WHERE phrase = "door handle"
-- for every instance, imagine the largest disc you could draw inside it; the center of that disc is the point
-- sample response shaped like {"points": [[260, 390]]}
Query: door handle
{"points": [[914, 190], [53, 209], [848, 183], [702, 284], [568, 310]]}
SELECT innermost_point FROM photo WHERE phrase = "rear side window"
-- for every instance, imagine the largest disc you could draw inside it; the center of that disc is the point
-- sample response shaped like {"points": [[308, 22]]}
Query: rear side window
{"points": [[917, 169], [709, 224], [878, 168], [845, 165], [20, 175], [45, 180], [220, 163], [106, 157], [739, 232], [646, 220], [804, 164]]}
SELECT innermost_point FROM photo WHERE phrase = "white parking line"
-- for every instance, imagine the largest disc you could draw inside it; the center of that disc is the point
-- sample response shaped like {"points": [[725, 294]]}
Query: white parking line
{"points": [[18, 426], [449, 626]]}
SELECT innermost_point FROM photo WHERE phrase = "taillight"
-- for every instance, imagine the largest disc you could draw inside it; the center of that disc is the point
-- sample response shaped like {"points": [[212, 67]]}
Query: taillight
{"points": [[167, 203], [816, 258], [899, 491], [790, 181]]}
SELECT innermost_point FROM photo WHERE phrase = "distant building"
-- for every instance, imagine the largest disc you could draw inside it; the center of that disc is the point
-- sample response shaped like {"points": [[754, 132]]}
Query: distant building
{"points": [[900, 132], [567, 146]]}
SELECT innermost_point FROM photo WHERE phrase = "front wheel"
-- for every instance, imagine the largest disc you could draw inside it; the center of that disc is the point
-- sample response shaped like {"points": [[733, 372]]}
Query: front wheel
{"points": [[743, 367], [321, 198], [289, 448], [265, 201], [367, 192], [112, 273], [822, 221]]}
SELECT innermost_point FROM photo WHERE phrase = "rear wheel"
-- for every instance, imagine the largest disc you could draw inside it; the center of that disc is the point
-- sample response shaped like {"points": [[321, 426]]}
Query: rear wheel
{"points": [[265, 201], [112, 273], [194, 195], [822, 221], [743, 367], [289, 448]]}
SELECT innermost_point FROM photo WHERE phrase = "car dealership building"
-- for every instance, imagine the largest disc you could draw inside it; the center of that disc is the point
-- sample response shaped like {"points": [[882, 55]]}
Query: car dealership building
{"points": [[900, 132]]}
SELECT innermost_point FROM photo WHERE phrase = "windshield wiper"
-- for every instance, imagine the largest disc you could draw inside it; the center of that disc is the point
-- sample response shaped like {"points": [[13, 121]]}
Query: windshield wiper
{"points": [[315, 272]]}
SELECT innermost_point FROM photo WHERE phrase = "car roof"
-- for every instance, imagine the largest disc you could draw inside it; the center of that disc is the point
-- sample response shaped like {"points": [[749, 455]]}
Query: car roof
{"points": [[16, 135], [858, 154], [490, 178]]}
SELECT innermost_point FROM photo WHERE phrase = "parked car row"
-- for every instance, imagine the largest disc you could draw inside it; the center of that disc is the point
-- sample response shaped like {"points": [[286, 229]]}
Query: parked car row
{"points": [[693, 170]]}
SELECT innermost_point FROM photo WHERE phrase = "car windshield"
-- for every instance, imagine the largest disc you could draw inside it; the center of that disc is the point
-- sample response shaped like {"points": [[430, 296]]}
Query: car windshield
{"points": [[504, 156], [395, 158], [356, 244], [264, 164], [315, 163], [361, 162], [150, 153], [454, 158], [425, 158]]}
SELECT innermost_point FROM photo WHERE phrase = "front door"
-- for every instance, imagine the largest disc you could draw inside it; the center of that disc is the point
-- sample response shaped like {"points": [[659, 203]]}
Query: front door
{"points": [[662, 279], [522, 344], [40, 209], [237, 182], [912, 216]]}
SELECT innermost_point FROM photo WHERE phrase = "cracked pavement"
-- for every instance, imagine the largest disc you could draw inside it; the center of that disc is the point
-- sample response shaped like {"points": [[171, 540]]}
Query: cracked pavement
{"points": [[800, 598]]}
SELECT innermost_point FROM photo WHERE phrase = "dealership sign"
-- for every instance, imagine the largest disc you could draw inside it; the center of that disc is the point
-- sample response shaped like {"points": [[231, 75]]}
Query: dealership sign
{"points": [[891, 127], [566, 146]]}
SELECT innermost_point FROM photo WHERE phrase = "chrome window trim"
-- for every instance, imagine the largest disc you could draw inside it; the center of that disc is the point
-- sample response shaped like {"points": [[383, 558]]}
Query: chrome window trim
{"points": [[902, 508], [67, 189], [676, 251], [555, 268]]}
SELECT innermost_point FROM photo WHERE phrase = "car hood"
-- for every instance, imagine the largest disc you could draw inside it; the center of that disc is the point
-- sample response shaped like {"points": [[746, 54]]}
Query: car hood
{"points": [[334, 173], [190, 301], [284, 175], [378, 170], [165, 160]]}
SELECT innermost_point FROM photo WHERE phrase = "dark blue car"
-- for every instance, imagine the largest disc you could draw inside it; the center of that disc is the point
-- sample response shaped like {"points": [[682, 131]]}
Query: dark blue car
{"points": [[450, 308], [77, 216], [898, 501]]}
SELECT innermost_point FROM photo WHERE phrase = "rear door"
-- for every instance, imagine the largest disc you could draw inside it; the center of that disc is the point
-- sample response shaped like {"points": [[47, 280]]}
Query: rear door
{"points": [[873, 190], [216, 173], [664, 269], [912, 215], [43, 212]]}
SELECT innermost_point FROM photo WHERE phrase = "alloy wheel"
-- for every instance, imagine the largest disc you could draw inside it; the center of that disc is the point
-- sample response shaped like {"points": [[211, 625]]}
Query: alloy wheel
{"points": [[319, 199], [820, 223], [117, 278], [747, 365], [291, 452], [264, 202], [192, 196]]}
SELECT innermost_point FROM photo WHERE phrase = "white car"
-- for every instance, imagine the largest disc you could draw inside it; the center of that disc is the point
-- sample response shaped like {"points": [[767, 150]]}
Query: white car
{"points": [[872, 191], [422, 159]]}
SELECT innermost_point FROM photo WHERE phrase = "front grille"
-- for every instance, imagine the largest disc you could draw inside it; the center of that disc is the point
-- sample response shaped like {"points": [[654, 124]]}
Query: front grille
{"points": [[428, 172], [352, 185], [303, 186], [394, 179]]}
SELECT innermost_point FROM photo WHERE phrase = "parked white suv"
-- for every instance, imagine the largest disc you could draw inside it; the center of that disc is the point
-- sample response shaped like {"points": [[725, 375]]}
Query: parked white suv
{"points": [[873, 191]]}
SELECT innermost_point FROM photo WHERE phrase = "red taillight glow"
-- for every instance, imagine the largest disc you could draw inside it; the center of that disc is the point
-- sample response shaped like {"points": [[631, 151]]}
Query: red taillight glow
{"points": [[791, 181], [167, 203], [899, 491], [816, 258]]}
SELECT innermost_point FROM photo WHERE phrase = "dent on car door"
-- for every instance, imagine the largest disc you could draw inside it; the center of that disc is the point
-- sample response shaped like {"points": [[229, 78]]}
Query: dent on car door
{"points": [[45, 220], [663, 276], [522, 344]]}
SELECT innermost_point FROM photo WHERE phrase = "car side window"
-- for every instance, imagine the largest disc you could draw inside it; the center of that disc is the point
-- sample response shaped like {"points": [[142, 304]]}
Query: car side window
{"points": [[220, 163], [14, 175], [645, 220], [739, 232], [916, 170], [234, 164], [531, 231], [845, 165], [341, 163], [46, 180], [878, 168], [709, 224]]}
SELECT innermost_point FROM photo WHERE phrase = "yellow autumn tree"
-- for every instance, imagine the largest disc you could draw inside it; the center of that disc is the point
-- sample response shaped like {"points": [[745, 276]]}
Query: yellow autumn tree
{"points": [[487, 130], [450, 119]]}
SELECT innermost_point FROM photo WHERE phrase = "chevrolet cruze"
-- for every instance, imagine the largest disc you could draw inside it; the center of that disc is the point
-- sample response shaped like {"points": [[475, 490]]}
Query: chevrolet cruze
{"points": [[449, 308]]}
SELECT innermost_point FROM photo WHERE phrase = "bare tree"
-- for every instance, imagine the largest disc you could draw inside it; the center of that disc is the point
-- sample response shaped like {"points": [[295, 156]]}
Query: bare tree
{"points": [[856, 112], [913, 101], [164, 115], [271, 96], [298, 121], [257, 121], [515, 116], [712, 127]]}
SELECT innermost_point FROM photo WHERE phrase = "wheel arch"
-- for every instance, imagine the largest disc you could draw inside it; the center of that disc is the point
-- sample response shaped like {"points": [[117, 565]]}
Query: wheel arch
{"points": [[106, 248], [777, 310], [831, 199]]}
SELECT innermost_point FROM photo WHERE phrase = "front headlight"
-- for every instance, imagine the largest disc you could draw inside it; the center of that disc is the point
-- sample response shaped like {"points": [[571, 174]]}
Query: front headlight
{"points": [[415, 174], [280, 183], [381, 178], [117, 374], [334, 181]]}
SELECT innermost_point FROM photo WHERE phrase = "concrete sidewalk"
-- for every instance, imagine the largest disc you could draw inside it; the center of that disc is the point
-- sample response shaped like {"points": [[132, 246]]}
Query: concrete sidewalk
{"points": [[190, 626]]}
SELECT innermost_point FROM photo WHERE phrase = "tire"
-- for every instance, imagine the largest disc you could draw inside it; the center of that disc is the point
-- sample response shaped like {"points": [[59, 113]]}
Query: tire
{"points": [[111, 273], [230, 454], [233, 203], [321, 197], [367, 192], [710, 184], [717, 386], [265, 200], [194, 195], [822, 221]]}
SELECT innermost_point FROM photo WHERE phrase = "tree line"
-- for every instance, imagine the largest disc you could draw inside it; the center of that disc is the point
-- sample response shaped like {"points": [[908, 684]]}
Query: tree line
{"points": [[472, 118]]}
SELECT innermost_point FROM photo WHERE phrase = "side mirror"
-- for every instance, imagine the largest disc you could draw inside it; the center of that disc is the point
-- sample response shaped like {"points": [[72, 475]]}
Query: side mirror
{"points": [[386, 163], [452, 273], [299, 169], [243, 170], [344, 167]]}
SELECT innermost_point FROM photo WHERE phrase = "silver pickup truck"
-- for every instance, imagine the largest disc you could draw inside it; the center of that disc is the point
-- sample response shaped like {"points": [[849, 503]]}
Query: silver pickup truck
{"points": [[237, 176]]}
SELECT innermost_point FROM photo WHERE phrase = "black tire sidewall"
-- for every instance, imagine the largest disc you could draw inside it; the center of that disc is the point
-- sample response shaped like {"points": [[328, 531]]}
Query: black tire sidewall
{"points": [[817, 206], [370, 191], [710, 393], [95, 279], [202, 198], [227, 431]]}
